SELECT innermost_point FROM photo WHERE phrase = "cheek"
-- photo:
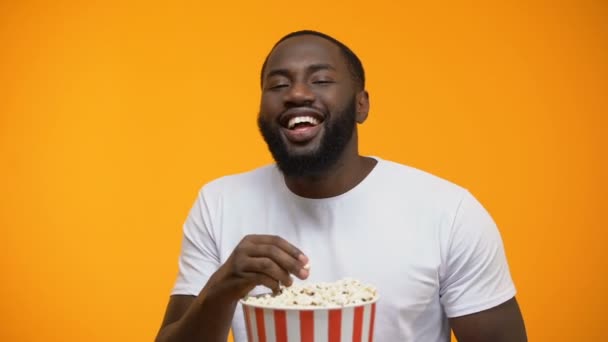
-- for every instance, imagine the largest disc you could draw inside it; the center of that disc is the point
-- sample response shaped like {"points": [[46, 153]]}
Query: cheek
{"points": [[335, 98], [270, 105]]}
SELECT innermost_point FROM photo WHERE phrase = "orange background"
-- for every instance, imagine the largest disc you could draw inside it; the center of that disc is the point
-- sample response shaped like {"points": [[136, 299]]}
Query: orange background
{"points": [[113, 116]]}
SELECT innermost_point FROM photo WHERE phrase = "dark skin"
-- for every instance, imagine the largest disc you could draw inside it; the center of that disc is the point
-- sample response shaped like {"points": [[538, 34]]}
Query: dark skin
{"points": [[304, 71], [257, 260], [314, 74]]}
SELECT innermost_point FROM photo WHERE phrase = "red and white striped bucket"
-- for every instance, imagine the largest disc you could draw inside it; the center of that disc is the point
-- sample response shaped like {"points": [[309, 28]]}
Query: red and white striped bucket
{"points": [[353, 323]]}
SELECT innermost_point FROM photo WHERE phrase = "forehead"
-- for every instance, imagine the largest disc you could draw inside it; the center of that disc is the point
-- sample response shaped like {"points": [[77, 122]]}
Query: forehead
{"points": [[297, 53]]}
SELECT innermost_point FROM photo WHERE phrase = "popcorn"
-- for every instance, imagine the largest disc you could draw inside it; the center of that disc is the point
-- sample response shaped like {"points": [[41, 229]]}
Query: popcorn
{"points": [[341, 293]]}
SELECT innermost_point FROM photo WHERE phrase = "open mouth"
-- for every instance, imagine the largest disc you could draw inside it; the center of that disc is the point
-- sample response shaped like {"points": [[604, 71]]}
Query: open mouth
{"points": [[301, 126], [298, 119], [302, 122]]}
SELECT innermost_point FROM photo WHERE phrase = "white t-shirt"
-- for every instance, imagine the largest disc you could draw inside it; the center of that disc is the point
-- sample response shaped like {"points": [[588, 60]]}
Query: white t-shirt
{"points": [[428, 246]]}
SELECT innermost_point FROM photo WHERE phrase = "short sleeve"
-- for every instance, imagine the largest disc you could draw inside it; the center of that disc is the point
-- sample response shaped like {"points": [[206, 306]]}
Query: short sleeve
{"points": [[199, 257], [475, 275]]}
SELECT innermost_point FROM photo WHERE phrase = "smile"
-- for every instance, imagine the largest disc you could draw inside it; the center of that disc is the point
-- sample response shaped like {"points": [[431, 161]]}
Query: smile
{"points": [[301, 125], [302, 121]]}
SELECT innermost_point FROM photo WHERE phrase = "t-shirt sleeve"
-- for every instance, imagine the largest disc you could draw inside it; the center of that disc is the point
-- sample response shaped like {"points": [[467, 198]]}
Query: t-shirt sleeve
{"points": [[199, 257], [475, 274]]}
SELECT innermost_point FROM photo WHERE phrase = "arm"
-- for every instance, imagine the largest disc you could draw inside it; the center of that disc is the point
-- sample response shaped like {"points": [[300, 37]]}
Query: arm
{"points": [[257, 260], [477, 291], [503, 323], [203, 318]]}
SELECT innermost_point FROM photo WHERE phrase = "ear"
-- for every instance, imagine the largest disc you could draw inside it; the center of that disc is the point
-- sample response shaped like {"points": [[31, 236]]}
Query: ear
{"points": [[362, 106]]}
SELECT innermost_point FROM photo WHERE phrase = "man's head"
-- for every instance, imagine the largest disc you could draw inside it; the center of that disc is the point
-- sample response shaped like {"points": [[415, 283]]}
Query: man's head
{"points": [[354, 63], [312, 97]]}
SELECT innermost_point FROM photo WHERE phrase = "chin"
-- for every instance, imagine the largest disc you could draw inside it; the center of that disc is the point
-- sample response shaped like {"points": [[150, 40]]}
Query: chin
{"points": [[308, 150]]}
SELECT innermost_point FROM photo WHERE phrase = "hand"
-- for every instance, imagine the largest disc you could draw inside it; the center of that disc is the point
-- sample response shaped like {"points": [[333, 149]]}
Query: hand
{"points": [[263, 260]]}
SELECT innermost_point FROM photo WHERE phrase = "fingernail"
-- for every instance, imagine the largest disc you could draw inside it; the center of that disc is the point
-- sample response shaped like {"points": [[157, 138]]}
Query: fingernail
{"points": [[303, 258]]}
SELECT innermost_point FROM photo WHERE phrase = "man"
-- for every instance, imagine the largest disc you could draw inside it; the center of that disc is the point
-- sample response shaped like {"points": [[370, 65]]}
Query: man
{"points": [[432, 251]]}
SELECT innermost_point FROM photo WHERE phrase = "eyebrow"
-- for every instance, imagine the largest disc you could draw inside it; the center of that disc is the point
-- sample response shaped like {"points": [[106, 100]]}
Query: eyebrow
{"points": [[310, 69]]}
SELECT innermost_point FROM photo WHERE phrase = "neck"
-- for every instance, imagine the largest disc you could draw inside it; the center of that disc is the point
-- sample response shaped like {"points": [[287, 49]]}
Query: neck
{"points": [[344, 175]]}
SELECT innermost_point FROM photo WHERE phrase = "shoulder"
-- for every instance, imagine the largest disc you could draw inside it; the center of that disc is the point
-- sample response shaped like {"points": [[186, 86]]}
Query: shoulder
{"points": [[416, 183], [254, 180]]}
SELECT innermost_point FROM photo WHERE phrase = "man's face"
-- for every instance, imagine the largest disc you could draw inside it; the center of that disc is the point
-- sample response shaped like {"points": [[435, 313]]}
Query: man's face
{"points": [[308, 107]]}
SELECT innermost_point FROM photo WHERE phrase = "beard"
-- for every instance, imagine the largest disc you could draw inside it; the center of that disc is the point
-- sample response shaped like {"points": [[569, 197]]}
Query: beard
{"points": [[337, 134]]}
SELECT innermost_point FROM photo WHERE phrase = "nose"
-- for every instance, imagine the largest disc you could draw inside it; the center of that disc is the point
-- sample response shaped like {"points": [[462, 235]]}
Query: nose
{"points": [[299, 93]]}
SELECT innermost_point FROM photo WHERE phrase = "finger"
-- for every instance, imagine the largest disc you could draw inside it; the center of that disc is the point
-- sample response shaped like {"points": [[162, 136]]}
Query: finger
{"points": [[284, 260], [278, 241], [264, 280], [269, 268]]}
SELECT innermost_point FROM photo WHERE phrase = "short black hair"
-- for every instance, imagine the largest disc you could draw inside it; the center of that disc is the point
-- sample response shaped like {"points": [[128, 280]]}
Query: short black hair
{"points": [[354, 63]]}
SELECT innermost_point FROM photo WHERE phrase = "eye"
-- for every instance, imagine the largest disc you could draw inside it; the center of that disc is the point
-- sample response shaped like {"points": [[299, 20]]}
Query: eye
{"points": [[278, 86], [275, 86], [277, 83], [322, 82]]}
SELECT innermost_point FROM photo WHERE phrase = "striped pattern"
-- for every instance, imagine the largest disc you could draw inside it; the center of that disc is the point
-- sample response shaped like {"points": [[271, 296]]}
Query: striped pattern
{"points": [[353, 324]]}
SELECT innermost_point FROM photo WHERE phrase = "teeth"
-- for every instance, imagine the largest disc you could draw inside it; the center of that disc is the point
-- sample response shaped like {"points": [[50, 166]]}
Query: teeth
{"points": [[299, 119]]}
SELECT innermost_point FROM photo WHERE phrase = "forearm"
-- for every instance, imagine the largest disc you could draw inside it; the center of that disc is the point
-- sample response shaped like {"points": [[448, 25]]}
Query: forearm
{"points": [[207, 320]]}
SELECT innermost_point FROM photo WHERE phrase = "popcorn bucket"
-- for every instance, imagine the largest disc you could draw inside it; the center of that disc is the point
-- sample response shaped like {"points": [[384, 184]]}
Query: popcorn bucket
{"points": [[319, 324]]}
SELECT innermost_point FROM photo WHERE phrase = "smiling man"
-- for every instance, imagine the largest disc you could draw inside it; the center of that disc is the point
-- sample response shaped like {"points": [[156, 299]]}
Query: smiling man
{"points": [[431, 249]]}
